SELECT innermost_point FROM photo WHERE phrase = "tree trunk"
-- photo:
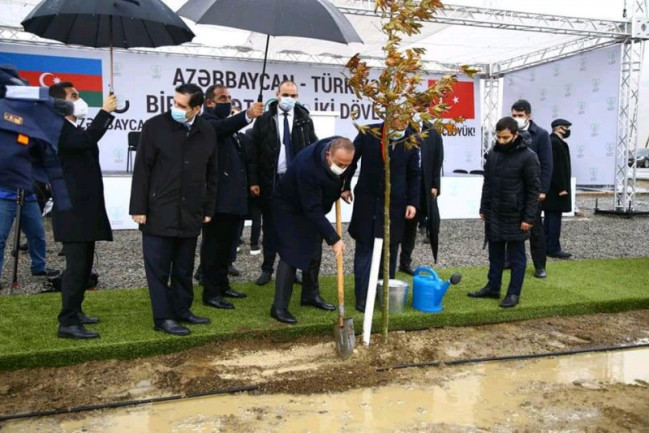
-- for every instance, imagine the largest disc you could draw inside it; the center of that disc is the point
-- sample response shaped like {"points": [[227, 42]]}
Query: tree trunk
{"points": [[385, 143]]}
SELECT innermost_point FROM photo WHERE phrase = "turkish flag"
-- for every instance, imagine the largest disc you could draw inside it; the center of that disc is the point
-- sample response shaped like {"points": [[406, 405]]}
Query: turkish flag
{"points": [[460, 100]]}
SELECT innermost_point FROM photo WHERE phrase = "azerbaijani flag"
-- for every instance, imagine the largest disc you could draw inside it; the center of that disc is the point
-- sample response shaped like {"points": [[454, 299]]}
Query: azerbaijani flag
{"points": [[85, 74]]}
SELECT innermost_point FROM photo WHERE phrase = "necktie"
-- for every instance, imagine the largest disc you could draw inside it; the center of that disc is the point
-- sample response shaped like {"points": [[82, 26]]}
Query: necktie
{"points": [[188, 126], [286, 140]]}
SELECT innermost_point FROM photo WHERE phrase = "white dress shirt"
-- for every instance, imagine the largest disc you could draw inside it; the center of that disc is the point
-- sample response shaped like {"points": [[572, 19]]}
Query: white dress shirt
{"points": [[281, 162]]}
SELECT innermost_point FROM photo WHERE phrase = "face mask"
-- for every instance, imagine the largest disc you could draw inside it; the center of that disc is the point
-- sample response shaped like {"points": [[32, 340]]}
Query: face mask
{"points": [[223, 110], [338, 171], [397, 135], [522, 123], [286, 103], [566, 133], [417, 117], [178, 115], [80, 108]]}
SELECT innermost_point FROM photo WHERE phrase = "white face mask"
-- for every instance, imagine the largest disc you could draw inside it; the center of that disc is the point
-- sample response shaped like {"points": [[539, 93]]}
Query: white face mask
{"points": [[397, 134], [522, 122], [338, 171], [417, 117], [80, 108]]}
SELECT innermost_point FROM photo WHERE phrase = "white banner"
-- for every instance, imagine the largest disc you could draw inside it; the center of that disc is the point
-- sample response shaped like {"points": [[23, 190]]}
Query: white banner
{"points": [[583, 90], [147, 82]]}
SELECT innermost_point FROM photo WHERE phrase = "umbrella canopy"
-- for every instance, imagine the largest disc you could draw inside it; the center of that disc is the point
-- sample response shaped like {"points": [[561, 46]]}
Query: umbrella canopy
{"points": [[315, 19], [108, 23], [432, 224]]}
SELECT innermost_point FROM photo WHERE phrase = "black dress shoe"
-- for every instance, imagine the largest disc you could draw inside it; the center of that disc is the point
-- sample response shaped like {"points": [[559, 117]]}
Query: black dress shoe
{"points": [[540, 273], [219, 302], [320, 303], [194, 320], [485, 292], [263, 279], [231, 293], [86, 320], [282, 316], [406, 269], [360, 308], [509, 301], [560, 255], [76, 332], [47, 273], [232, 271], [171, 327]]}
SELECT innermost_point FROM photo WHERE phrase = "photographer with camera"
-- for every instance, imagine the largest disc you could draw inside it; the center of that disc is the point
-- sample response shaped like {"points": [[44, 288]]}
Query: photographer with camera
{"points": [[86, 222]]}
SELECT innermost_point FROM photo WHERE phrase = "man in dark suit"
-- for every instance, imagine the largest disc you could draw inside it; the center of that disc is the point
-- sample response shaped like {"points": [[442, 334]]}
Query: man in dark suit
{"points": [[559, 198], [172, 195], [277, 136], [78, 228], [369, 198], [221, 234], [431, 148], [522, 113], [302, 199]]}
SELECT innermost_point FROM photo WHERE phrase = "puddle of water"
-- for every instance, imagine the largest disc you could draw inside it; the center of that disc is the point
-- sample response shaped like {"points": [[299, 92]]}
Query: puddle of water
{"points": [[468, 398]]}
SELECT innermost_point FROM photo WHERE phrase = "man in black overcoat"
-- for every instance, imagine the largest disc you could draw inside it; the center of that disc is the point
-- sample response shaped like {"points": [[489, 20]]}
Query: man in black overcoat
{"points": [[78, 228], [559, 198], [431, 148], [277, 137], [367, 216], [221, 234], [302, 199], [172, 195]]}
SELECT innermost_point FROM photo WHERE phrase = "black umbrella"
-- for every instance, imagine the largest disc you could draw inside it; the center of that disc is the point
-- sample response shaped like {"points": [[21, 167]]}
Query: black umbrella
{"points": [[108, 23], [315, 19], [432, 224]]}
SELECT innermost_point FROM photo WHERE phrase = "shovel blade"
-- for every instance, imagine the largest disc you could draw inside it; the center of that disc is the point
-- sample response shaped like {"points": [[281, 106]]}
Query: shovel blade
{"points": [[345, 338]]}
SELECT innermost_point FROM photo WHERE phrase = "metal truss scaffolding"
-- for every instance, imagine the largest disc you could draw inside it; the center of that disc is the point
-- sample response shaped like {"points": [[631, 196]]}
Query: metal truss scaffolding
{"points": [[491, 87]]}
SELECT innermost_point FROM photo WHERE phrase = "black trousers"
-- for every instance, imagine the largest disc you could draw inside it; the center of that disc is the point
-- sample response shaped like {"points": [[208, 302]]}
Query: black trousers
{"points": [[362, 267], [78, 266], [168, 264], [538, 249], [516, 255], [255, 215], [552, 228], [220, 236], [269, 242], [285, 279], [408, 242]]}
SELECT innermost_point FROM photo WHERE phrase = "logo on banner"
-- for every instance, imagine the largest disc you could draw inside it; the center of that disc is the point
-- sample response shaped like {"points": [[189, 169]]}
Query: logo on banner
{"points": [[594, 171], [116, 213], [596, 83], [460, 100], [610, 102], [118, 155], [532, 76], [583, 61], [610, 149], [557, 69], [580, 151], [568, 89], [544, 94], [156, 71], [555, 111], [43, 71], [468, 156], [612, 57], [117, 69], [594, 129], [510, 82], [582, 107]]}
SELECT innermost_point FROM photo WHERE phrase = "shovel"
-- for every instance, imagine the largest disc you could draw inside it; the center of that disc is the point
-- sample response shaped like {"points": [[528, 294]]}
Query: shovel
{"points": [[344, 328]]}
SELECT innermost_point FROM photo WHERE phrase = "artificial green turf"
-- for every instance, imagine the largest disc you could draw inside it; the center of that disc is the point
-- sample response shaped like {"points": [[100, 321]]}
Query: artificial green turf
{"points": [[28, 322]]}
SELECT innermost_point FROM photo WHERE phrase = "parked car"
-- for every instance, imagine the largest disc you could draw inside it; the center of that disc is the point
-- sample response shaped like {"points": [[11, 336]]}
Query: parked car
{"points": [[641, 158]]}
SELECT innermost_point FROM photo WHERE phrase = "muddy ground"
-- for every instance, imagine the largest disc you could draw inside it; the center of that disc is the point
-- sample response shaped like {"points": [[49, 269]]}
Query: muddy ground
{"points": [[310, 365]]}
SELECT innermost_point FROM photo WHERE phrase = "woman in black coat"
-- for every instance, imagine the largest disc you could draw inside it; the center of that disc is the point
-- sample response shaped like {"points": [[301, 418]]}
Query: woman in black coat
{"points": [[559, 197]]}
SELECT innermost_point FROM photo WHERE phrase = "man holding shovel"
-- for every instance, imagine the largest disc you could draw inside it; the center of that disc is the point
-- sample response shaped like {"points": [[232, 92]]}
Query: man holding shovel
{"points": [[302, 199]]}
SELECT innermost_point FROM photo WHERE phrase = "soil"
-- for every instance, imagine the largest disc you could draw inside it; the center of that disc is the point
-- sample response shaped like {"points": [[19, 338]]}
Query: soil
{"points": [[310, 365]]}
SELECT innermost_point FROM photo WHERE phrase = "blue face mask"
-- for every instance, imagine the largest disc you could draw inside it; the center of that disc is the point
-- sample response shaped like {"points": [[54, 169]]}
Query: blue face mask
{"points": [[286, 103], [178, 115], [223, 110]]}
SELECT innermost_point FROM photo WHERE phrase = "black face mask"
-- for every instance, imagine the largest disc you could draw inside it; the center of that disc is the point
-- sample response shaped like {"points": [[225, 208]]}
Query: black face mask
{"points": [[223, 110], [566, 133]]}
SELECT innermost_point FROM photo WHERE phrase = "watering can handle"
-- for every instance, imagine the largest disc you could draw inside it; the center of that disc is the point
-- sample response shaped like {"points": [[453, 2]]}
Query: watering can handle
{"points": [[424, 269]]}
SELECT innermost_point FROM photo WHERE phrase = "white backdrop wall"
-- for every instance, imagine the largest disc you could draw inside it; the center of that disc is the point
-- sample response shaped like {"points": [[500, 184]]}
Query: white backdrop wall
{"points": [[584, 90], [147, 81]]}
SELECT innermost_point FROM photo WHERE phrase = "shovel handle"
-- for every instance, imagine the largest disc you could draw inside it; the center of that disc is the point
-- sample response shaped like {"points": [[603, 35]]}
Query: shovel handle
{"points": [[339, 263]]}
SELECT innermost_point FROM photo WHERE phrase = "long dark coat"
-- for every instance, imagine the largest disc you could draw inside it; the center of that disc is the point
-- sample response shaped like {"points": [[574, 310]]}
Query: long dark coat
{"points": [[432, 159], [265, 146], [232, 194], [560, 178], [174, 177], [79, 155], [510, 192], [302, 199], [405, 179], [540, 145]]}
